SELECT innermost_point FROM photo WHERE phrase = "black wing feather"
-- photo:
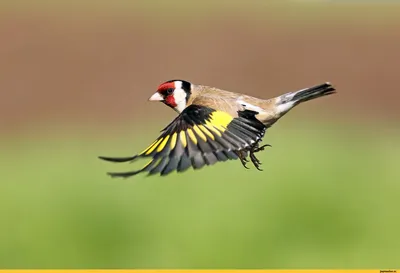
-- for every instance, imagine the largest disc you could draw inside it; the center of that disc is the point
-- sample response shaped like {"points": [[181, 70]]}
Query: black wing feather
{"points": [[219, 138]]}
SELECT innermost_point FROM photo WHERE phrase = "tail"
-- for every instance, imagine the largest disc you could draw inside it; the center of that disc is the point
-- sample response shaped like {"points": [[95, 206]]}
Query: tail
{"points": [[313, 93], [287, 101], [309, 93]]}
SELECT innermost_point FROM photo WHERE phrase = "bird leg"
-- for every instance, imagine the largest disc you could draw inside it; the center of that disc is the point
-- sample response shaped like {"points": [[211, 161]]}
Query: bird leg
{"points": [[254, 149], [242, 156], [262, 148]]}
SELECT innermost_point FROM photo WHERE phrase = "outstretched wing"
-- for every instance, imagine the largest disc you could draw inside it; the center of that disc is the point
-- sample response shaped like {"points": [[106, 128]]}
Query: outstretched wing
{"points": [[198, 136]]}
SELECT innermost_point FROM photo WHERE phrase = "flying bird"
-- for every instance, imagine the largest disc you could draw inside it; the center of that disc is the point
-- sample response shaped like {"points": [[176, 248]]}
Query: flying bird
{"points": [[213, 125]]}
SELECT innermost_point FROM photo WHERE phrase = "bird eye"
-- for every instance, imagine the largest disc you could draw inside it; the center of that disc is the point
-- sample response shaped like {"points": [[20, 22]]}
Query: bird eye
{"points": [[170, 91]]}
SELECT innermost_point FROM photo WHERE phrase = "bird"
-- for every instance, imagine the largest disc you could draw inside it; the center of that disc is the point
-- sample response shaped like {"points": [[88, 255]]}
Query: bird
{"points": [[213, 125]]}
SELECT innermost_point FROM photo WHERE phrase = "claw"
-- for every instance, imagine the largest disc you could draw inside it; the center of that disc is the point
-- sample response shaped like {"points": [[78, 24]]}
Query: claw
{"points": [[254, 149], [262, 148], [255, 161], [242, 157], [251, 150], [244, 164]]}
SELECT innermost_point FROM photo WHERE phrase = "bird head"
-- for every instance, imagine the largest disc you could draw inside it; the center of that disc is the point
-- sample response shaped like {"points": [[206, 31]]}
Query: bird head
{"points": [[173, 93]]}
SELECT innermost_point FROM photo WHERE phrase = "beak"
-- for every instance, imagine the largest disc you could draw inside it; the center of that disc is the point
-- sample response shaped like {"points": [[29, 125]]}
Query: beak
{"points": [[156, 97]]}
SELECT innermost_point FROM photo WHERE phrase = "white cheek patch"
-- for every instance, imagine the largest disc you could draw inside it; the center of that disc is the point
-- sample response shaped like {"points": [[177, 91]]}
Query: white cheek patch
{"points": [[249, 106], [180, 97]]}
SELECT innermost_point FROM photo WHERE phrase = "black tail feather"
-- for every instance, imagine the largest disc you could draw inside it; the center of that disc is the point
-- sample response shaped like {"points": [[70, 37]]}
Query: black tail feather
{"points": [[313, 92]]}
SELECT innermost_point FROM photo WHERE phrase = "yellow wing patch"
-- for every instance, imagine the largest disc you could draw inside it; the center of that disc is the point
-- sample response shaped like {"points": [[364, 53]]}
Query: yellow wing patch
{"points": [[199, 133], [220, 119], [216, 125], [162, 144], [183, 139], [192, 136], [197, 124], [212, 128], [148, 163], [151, 148], [206, 131], [173, 141]]}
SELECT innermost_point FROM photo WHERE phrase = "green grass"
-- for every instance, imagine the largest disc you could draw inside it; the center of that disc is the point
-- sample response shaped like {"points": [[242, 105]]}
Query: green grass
{"points": [[328, 198]]}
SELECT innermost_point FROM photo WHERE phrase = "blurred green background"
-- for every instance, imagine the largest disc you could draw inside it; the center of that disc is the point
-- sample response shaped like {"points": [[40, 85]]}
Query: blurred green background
{"points": [[74, 81]]}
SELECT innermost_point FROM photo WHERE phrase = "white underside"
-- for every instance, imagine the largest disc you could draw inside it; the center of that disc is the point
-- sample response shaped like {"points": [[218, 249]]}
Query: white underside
{"points": [[284, 107], [284, 103]]}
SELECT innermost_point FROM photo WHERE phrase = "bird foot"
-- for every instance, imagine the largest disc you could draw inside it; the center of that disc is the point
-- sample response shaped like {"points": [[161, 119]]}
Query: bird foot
{"points": [[262, 148], [242, 154]]}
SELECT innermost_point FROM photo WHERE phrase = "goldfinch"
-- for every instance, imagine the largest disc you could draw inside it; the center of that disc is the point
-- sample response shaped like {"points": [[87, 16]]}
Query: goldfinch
{"points": [[213, 125]]}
